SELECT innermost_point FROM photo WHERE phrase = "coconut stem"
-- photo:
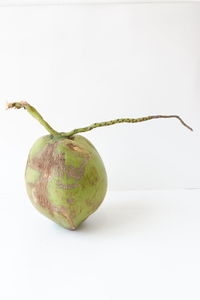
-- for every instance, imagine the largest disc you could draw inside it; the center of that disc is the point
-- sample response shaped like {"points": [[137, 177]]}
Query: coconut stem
{"points": [[37, 116], [95, 125], [34, 113]]}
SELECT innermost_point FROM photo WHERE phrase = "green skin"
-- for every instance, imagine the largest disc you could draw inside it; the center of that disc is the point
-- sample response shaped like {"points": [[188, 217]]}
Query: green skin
{"points": [[65, 177]]}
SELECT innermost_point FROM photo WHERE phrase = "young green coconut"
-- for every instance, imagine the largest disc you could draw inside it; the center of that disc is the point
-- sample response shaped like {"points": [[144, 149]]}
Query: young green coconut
{"points": [[65, 176]]}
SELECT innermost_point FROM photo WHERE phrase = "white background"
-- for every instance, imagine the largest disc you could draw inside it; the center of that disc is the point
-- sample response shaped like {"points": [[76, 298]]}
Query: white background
{"points": [[61, 2], [80, 64], [83, 64]]}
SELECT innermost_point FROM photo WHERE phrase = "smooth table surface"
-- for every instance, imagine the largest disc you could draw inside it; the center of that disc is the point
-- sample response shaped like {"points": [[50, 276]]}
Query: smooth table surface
{"points": [[138, 245]]}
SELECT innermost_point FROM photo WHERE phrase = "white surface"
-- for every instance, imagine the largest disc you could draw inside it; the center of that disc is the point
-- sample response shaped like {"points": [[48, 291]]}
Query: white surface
{"points": [[83, 64], [138, 245], [96, 2]]}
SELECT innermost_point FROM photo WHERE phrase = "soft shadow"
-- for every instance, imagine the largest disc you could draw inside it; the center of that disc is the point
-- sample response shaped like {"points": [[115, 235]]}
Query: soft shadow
{"points": [[121, 216]]}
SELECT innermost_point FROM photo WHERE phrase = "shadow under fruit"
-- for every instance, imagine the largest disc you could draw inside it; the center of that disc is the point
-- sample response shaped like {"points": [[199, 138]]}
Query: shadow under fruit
{"points": [[65, 176]]}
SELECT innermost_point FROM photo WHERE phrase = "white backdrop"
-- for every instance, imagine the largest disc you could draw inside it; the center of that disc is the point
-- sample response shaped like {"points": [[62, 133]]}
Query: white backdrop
{"points": [[61, 2], [80, 64]]}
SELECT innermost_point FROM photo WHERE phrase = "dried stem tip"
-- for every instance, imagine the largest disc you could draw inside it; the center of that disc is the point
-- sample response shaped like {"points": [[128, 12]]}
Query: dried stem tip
{"points": [[17, 105]]}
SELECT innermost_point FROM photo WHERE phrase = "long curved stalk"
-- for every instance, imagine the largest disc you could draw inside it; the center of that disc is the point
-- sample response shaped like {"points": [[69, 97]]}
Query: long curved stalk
{"points": [[128, 120], [37, 116]]}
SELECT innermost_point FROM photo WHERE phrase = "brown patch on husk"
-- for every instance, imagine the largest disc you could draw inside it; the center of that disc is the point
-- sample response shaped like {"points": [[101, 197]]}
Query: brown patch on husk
{"points": [[47, 163], [75, 172], [63, 211], [80, 151], [44, 164], [69, 186]]}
